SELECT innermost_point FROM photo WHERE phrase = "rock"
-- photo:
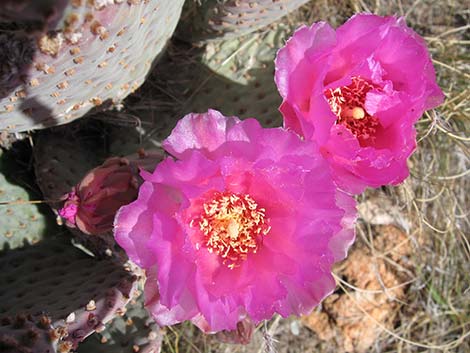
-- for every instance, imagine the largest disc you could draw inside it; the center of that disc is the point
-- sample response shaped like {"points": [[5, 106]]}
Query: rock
{"points": [[354, 320]]}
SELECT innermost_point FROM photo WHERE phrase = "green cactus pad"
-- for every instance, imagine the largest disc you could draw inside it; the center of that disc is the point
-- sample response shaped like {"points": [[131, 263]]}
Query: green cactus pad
{"points": [[258, 100], [239, 77], [215, 19], [97, 53], [78, 292], [235, 58], [134, 331], [20, 222]]}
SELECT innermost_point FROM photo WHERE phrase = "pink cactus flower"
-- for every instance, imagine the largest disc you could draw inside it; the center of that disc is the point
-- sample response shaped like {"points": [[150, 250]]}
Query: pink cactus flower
{"points": [[357, 92], [93, 203], [246, 223]]}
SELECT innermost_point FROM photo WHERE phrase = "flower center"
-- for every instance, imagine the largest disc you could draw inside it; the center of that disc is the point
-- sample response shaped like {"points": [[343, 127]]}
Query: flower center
{"points": [[347, 103], [233, 225]]}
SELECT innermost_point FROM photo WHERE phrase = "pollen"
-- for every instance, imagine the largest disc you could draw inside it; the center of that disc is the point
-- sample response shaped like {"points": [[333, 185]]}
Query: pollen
{"points": [[347, 103], [232, 226]]}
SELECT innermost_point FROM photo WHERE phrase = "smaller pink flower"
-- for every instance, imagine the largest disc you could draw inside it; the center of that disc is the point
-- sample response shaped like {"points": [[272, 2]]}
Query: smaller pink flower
{"points": [[93, 203], [247, 222], [357, 92]]}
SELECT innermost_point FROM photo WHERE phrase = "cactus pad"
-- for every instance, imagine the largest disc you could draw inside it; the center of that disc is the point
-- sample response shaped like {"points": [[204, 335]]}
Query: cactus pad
{"points": [[20, 221], [78, 292], [29, 334], [134, 331], [257, 100], [239, 77], [214, 19], [61, 161], [95, 54]]}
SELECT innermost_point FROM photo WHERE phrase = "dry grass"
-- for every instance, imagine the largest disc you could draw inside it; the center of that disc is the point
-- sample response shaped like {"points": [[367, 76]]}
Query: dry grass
{"points": [[433, 203]]}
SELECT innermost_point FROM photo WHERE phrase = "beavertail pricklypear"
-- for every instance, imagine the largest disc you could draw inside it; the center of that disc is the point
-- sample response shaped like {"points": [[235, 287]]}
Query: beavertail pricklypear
{"points": [[61, 58]]}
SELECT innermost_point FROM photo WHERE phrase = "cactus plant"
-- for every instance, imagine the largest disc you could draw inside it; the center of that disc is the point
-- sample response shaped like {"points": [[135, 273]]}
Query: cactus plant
{"points": [[63, 159], [62, 59], [234, 76], [91, 205], [84, 55]]}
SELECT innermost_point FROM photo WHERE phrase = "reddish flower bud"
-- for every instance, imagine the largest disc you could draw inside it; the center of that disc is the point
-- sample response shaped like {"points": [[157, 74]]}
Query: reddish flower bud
{"points": [[93, 203]]}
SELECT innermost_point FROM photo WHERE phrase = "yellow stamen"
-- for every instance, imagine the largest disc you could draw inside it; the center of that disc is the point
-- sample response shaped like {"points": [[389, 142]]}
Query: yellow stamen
{"points": [[232, 225]]}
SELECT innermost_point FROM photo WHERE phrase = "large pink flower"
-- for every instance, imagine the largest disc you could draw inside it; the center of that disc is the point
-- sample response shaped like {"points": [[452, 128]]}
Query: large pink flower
{"points": [[357, 92], [245, 224]]}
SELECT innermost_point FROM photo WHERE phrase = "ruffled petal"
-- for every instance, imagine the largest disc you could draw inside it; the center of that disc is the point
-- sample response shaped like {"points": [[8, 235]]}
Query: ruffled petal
{"points": [[204, 132]]}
